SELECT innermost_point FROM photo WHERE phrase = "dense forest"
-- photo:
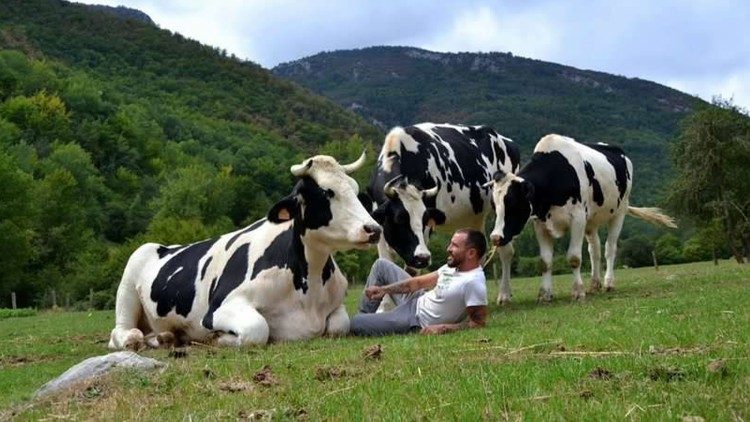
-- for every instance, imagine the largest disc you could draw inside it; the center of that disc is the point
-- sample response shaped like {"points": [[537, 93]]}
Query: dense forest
{"points": [[521, 98], [114, 132]]}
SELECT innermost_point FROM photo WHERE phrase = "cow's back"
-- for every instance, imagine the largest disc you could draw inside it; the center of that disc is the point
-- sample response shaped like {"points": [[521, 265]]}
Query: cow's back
{"points": [[602, 173], [457, 159]]}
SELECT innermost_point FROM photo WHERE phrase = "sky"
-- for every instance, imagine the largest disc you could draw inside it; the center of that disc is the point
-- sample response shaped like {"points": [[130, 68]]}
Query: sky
{"points": [[701, 47]]}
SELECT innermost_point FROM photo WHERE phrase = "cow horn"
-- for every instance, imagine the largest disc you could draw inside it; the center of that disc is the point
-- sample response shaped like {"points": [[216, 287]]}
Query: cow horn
{"points": [[388, 187], [348, 168], [488, 184], [300, 170], [429, 193]]}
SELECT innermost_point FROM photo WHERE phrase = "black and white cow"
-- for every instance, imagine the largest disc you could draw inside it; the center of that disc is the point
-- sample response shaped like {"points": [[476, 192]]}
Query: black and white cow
{"points": [[432, 176], [273, 280], [569, 186]]}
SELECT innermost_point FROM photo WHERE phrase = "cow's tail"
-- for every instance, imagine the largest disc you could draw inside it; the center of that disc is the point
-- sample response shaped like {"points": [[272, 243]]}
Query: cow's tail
{"points": [[653, 216]]}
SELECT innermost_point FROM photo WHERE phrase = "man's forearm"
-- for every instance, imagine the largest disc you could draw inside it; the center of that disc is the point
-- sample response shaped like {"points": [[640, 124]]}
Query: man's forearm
{"points": [[400, 287]]}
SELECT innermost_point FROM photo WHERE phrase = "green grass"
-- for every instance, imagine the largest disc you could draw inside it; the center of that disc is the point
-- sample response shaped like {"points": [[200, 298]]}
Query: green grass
{"points": [[652, 340], [16, 313]]}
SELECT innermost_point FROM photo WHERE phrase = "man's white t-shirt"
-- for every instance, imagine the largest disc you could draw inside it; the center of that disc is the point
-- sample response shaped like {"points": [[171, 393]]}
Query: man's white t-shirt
{"points": [[455, 290]]}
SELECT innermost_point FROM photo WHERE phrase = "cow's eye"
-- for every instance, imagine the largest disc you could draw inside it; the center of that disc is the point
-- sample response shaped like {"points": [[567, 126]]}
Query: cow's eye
{"points": [[329, 193]]}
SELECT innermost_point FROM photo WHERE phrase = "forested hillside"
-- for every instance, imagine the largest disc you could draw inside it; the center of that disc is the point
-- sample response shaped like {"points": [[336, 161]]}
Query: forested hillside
{"points": [[523, 99], [114, 132]]}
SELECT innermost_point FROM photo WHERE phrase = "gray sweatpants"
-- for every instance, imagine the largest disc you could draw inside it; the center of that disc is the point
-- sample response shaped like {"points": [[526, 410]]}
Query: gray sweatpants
{"points": [[401, 319]]}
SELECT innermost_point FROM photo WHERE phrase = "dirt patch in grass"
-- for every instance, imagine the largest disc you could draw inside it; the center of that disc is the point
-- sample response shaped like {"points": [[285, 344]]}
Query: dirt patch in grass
{"points": [[328, 373], [600, 374], [234, 386], [666, 373], [265, 377], [16, 361], [373, 352]]}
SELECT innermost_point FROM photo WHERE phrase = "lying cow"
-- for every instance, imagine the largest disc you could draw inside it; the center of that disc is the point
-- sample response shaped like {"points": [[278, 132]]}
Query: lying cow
{"points": [[273, 280], [432, 176], [569, 186]]}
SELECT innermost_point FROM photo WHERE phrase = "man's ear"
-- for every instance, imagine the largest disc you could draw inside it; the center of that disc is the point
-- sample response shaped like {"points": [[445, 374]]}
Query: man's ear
{"points": [[284, 210], [433, 217]]}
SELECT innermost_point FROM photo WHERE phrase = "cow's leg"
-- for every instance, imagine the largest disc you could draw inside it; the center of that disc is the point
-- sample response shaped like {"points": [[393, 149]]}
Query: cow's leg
{"points": [[592, 238], [546, 251], [337, 323], [506, 257], [610, 249], [128, 312], [240, 324], [574, 255]]}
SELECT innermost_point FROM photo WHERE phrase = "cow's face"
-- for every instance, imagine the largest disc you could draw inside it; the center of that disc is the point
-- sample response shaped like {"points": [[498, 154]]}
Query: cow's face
{"points": [[325, 207], [407, 222], [511, 197]]}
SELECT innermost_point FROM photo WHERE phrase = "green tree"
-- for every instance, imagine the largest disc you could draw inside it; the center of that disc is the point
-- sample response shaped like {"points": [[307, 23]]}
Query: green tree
{"points": [[711, 156]]}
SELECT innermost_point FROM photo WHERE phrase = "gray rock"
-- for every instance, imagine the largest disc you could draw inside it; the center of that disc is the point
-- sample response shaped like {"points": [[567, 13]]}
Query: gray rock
{"points": [[96, 367]]}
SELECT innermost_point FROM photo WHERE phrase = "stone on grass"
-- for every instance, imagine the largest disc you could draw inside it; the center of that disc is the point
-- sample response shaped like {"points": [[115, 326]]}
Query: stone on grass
{"points": [[96, 367]]}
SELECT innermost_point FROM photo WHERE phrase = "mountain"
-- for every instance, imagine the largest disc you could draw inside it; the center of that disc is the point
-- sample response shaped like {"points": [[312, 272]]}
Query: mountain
{"points": [[123, 12], [523, 99], [114, 132]]}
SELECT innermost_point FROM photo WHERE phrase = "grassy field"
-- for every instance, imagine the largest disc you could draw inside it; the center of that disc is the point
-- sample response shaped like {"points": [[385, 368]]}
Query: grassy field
{"points": [[646, 351]]}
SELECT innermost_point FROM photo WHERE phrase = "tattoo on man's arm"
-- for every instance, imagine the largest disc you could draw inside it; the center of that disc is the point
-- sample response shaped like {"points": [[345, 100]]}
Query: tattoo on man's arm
{"points": [[402, 287]]}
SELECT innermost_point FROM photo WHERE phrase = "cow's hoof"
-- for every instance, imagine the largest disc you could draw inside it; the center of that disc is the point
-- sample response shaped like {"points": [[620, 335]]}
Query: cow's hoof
{"points": [[579, 296], [544, 297], [609, 288], [134, 340], [595, 286], [502, 300], [166, 339]]}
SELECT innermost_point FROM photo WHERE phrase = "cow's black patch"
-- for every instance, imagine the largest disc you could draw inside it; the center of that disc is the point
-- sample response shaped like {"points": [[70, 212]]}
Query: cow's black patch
{"points": [[285, 251], [205, 267], [174, 285], [328, 270], [549, 180], [163, 251], [232, 276], [595, 186], [616, 158], [460, 155], [247, 229]]}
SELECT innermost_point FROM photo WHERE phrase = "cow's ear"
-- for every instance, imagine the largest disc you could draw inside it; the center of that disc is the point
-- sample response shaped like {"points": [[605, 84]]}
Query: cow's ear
{"points": [[284, 210], [528, 190], [379, 214], [434, 217], [366, 201], [498, 176]]}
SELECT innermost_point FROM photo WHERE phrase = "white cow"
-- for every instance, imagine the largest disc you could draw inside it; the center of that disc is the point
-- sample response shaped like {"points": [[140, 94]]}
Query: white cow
{"points": [[569, 186], [273, 280]]}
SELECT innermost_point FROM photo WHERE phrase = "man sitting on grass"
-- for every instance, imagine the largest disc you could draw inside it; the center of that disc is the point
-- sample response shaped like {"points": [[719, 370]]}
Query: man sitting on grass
{"points": [[457, 290]]}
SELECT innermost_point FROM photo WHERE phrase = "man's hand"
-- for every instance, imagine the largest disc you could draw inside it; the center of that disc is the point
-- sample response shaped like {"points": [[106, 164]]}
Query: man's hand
{"points": [[436, 329], [374, 292]]}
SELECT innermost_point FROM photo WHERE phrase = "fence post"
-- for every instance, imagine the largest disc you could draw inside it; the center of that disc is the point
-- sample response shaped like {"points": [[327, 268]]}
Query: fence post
{"points": [[13, 299], [91, 298], [656, 263], [54, 299], [67, 301]]}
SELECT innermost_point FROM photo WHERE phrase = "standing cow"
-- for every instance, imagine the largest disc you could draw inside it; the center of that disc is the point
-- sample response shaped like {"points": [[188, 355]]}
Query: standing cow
{"points": [[275, 279], [432, 176], [569, 186]]}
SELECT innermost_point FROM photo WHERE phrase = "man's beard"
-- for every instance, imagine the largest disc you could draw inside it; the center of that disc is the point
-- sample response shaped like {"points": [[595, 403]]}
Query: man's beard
{"points": [[453, 262]]}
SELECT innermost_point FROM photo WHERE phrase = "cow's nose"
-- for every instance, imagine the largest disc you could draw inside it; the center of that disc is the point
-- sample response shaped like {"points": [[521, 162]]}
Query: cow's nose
{"points": [[496, 239], [373, 231], [421, 260]]}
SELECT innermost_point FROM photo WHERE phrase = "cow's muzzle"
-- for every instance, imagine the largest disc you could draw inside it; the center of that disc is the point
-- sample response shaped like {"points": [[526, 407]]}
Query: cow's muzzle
{"points": [[420, 261], [373, 232]]}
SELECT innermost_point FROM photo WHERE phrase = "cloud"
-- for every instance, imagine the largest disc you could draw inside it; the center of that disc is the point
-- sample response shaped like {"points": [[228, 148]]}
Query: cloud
{"points": [[699, 46]]}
